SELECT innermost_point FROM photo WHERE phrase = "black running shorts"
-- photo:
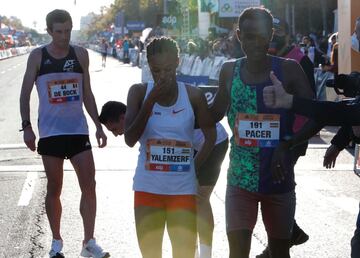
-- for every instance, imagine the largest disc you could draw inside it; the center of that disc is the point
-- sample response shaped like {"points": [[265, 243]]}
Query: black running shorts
{"points": [[209, 171], [63, 146]]}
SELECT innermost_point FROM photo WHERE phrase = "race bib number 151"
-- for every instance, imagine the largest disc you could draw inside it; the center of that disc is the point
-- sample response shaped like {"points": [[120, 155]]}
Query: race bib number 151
{"points": [[168, 155]]}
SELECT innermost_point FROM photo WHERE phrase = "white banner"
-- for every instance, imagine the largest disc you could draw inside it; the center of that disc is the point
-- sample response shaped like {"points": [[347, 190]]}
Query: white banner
{"points": [[233, 8]]}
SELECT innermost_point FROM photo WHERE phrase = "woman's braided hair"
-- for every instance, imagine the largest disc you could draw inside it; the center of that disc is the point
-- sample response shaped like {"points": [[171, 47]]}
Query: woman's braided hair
{"points": [[160, 45]]}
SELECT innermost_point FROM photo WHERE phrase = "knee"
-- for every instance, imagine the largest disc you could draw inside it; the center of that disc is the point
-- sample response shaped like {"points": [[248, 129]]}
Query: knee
{"points": [[53, 190], [89, 189]]}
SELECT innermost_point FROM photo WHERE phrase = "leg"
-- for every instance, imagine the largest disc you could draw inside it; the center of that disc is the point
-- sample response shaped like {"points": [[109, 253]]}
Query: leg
{"points": [[355, 241], [150, 224], [208, 175], [54, 173], [239, 243], [278, 212], [205, 219], [181, 225], [279, 248], [298, 235], [241, 215], [83, 163]]}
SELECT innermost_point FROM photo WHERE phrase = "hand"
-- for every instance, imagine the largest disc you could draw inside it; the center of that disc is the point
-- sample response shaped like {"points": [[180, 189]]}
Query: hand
{"points": [[275, 96], [330, 156], [101, 137], [29, 138], [159, 90], [278, 165]]}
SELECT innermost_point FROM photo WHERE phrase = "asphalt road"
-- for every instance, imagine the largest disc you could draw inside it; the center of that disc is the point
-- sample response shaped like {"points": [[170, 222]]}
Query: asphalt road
{"points": [[327, 200]]}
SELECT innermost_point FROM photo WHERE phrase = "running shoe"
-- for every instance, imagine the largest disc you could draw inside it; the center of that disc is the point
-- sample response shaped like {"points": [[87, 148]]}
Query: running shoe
{"points": [[92, 249], [264, 254], [56, 247], [298, 236]]}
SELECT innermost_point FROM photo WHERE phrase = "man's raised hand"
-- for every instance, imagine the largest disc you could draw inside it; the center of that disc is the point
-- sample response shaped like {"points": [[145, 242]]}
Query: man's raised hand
{"points": [[275, 96]]}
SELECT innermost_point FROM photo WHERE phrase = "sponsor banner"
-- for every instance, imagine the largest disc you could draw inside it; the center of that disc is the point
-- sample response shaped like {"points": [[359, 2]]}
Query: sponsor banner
{"points": [[135, 25], [233, 8]]}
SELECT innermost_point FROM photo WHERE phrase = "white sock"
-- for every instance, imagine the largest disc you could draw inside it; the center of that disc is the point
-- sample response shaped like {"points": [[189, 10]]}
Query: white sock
{"points": [[205, 251], [196, 251]]}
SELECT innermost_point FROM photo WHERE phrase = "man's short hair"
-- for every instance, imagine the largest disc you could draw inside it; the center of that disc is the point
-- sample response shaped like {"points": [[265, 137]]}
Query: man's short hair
{"points": [[255, 13], [111, 111], [57, 16]]}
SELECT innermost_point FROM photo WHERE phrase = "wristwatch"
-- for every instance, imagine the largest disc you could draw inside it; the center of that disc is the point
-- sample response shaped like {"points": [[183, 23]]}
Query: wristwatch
{"points": [[24, 124]]}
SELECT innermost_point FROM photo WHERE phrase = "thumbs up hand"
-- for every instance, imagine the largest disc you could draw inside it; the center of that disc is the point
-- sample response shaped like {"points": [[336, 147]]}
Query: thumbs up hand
{"points": [[275, 96]]}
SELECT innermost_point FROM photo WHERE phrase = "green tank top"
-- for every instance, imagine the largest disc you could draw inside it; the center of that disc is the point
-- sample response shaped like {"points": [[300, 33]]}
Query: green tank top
{"points": [[249, 166]]}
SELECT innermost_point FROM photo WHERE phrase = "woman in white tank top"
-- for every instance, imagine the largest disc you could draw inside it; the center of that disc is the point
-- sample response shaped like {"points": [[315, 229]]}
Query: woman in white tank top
{"points": [[161, 117]]}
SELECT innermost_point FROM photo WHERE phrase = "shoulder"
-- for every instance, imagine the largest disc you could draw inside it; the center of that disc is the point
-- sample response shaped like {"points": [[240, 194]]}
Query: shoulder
{"points": [[193, 90], [138, 89], [81, 52], [289, 64], [228, 67], [196, 95], [229, 64], [36, 54]]}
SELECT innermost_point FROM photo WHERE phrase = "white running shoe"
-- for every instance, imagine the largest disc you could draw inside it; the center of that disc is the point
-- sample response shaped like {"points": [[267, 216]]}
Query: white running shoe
{"points": [[92, 249], [56, 247]]}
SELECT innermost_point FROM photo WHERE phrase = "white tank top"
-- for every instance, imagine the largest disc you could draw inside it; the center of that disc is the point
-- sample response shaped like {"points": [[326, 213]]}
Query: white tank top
{"points": [[60, 90], [198, 141], [165, 163]]}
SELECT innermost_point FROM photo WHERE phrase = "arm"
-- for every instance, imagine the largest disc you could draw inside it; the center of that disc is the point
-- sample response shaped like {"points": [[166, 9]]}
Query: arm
{"points": [[137, 113], [338, 143], [329, 113], [139, 110], [89, 100], [325, 112], [222, 97], [33, 65], [295, 82], [300, 85], [205, 122]]}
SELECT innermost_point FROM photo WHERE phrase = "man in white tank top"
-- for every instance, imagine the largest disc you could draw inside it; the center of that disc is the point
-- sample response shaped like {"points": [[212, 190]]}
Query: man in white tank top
{"points": [[63, 85]]}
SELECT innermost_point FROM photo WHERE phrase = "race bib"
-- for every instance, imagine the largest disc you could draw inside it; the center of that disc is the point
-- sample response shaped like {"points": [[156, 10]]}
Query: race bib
{"points": [[61, 91], [168, 155], [257, 130]]}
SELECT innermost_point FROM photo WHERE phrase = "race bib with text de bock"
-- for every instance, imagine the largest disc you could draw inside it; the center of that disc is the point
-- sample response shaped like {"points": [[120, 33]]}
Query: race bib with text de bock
{"points": [[61, 91], [257, 130], [168, 155]]}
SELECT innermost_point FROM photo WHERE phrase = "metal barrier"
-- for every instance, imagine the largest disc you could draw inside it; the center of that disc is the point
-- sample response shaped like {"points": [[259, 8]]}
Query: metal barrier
{"points": [[16, 51]]}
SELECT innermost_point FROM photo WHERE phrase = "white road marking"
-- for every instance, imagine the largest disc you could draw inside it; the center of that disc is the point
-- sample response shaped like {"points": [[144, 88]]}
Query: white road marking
{"points": [[28, 189]]}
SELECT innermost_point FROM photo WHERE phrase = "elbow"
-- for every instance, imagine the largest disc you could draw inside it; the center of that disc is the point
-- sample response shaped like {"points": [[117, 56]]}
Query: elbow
{"points": [[129, 142]]}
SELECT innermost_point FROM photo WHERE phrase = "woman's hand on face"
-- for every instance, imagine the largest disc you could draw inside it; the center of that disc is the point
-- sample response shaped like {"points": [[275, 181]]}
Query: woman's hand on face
{"points": [[157, 91]]}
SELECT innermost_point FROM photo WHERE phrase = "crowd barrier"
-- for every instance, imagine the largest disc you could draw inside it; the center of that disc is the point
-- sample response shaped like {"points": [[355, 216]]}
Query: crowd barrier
{"points": [[16, 51], [205, 74], [119, 53]]}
